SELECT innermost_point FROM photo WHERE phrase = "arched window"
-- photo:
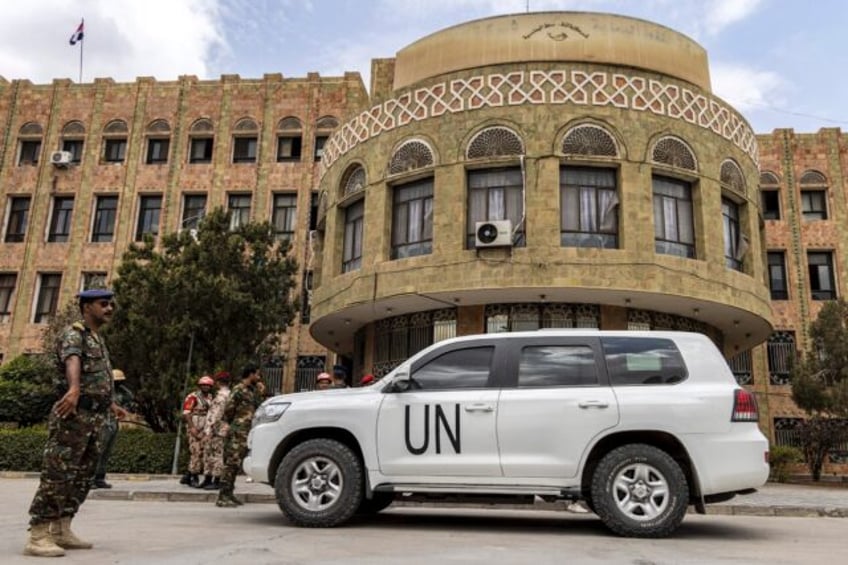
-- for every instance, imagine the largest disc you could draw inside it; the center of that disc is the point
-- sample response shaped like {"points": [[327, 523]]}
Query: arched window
{"points": [[813, 195], [245, 141], [354, 181], [495, 141], [289, 139], [323, 128], [770, 195], [115, 141], [158, 134], [411, 155], [588, 139], [73, 140], [674, 152], [29, 144], [201, 141], [731, 176]]}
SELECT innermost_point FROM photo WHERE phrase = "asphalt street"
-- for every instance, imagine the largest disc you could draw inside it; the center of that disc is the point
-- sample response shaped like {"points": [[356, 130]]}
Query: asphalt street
{"points": [[157, 531]]}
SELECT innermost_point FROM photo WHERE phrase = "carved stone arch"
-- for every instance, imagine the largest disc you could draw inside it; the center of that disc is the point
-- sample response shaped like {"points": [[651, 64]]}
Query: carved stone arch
{"points": [[158, 127], [289, 123], [673, 151], [354, 180], [731, 176], [589, 139], [327, 122], [202, 126], [31, 129], [73, 129], [116, 127], [813, 177], [495, 141], [768, 178], [411, 155], [246, 125]]}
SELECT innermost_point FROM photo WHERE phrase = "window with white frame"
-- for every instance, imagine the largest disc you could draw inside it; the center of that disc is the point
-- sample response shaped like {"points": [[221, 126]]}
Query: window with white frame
{"points": [[158, 142], [820, 269], [412, 219], [60, 219], [284, 216], [777, 275], [148, 217], [674, 232], [194, 208], [29, 144], [7, 289], [588, 207], [735, 243], [495, 194], [18, 219], [48, 297], [105, 210], [239, 208], [353, 233]]}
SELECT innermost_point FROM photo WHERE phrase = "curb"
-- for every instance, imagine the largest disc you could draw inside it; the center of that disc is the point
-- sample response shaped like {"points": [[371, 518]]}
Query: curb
{"points": [[253, 498]]}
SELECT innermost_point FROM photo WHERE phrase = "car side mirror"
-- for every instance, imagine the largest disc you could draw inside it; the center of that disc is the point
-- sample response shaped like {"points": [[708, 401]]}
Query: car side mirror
{"points": [[402, 382]]}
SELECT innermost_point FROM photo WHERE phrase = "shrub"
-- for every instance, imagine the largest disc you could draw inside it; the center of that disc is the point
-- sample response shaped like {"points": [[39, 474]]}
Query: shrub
{"points": [[26, 390], [781, 458], [135, 451]]}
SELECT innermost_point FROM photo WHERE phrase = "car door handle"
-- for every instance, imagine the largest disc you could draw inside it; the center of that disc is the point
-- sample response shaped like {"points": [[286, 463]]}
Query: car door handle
{"points": [[593, 404], [479, 407]]}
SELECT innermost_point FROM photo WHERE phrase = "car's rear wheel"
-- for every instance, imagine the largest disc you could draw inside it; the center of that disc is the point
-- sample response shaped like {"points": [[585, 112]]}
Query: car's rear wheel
{"points": [[377, 503], [640, 491], [319, 484]]}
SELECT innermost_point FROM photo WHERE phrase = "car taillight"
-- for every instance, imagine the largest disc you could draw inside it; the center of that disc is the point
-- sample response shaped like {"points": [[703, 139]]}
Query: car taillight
{"points": [[744, 407]]}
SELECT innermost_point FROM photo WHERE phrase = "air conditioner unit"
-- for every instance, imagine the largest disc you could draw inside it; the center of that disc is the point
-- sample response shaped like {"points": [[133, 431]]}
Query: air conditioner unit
{"points": [[493, 233], [60, 158]]}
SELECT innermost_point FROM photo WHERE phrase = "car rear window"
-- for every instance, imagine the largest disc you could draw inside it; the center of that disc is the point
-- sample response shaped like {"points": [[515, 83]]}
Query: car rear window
{"points": [[643, 361]]}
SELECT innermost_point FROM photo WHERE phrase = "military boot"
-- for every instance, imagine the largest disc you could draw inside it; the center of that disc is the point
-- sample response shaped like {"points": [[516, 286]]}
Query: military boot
{"points": [[236, 500], [214, 485], [41, 543], [193, 481], [207, 481], [61, 532], [225, 500], [186, 479]]}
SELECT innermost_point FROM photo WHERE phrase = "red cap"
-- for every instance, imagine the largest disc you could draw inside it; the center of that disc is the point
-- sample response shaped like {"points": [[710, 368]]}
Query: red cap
{"points": [[367, 379]]}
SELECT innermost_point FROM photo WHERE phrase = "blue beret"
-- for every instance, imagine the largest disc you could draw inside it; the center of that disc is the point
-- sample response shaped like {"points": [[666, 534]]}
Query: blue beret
{"points": [[340, 369], [95, 294]]}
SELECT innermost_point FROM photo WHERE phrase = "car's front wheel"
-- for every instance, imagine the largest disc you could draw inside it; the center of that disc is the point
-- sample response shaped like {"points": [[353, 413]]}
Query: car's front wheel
{"points": [[640, 491], [319, 484]]}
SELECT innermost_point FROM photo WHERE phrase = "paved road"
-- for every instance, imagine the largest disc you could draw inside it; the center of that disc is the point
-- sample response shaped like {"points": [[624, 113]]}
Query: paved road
{"points": [[185, 533]]}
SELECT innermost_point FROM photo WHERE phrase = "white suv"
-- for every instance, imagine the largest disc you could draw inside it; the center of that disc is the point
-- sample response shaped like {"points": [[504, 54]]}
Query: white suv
{"points": [[637, 424]]}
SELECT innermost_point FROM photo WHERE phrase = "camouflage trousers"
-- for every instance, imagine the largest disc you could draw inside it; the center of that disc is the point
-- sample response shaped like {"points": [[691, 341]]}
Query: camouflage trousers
{"points": [[213, 455], [235, 450], [195, 449], [67, 471], [107, 442]]}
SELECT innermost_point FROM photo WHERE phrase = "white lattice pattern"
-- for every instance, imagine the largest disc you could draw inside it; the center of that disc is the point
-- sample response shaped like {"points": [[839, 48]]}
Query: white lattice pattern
{"points": [[559, 86]]}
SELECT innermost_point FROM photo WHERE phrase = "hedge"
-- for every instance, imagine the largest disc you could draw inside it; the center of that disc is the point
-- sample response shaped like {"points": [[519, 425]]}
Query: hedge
{"points": [[135, 451]]}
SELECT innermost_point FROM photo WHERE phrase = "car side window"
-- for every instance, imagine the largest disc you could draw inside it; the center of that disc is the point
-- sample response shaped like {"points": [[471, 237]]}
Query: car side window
{"points": [[557, 365], [458, 369], [643, 361]]}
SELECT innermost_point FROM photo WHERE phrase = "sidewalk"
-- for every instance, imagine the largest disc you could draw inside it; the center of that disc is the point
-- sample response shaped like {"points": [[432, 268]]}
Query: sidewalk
{"points": [[771, 500]]}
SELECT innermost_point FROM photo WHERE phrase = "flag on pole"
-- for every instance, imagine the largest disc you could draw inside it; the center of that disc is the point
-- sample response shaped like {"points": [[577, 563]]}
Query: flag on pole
{"points": [[78, 34]]}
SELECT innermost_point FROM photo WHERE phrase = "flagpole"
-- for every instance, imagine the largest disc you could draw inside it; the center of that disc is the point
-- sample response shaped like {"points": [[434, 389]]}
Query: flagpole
{"points": [[82, 45]]}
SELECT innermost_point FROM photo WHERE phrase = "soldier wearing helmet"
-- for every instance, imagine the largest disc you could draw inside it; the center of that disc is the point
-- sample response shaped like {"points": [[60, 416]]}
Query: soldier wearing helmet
{"points": [[195, 407], [323, 381]]}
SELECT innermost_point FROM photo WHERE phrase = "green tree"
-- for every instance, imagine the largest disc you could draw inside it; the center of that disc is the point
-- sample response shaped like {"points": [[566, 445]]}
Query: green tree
{"points": [[820, 385], [27, 390], [225, 293]]}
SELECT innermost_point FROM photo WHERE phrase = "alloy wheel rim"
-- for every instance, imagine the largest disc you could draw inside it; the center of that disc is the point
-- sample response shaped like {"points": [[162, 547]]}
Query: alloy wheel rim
{"points": [[641, 492], [317, 483]]}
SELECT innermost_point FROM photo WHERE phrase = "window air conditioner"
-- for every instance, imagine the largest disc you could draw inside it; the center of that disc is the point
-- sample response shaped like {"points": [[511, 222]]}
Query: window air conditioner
{"points": [[493, 233], [60, 158]]}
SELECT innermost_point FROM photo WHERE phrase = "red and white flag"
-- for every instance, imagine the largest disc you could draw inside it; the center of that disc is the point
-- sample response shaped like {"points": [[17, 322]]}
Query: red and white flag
{"points": [[78, 34]]}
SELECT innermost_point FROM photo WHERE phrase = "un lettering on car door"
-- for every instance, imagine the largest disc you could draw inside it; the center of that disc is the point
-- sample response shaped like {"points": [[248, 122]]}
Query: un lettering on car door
{"points": [[438, 433]]}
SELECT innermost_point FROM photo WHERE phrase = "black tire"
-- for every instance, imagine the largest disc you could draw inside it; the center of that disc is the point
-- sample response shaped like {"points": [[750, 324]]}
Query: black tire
{"points": [[640, 491], [379, 502], [319, 484]]}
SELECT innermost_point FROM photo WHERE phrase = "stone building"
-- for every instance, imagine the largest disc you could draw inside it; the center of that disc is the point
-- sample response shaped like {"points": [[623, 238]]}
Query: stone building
{"points": [[518, 172]]}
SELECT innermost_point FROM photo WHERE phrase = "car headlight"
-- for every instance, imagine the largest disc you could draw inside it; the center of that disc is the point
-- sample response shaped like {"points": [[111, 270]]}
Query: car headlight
{"points": [[270, 412]]}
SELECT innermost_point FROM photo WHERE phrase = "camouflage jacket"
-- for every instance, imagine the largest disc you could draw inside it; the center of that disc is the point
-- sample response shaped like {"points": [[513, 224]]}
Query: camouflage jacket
{"points": [[96, 367], [242, 403], [215, 425]]}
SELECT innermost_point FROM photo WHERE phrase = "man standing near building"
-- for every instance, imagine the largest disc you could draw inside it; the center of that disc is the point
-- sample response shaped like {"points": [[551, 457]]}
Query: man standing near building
{"points": [[75, 428], [339, 376], [195, 407], [216, 432], [244, 399]]}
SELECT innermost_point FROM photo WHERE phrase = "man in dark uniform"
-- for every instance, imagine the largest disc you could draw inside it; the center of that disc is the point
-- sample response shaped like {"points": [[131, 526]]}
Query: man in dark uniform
{"points": [[74, 429], [243, 401]]}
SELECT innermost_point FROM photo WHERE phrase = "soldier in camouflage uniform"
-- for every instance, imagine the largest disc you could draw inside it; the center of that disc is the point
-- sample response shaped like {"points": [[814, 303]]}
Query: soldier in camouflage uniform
{"points": [[216, 433], [74, 429], [244, 399], [195, 407]]}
